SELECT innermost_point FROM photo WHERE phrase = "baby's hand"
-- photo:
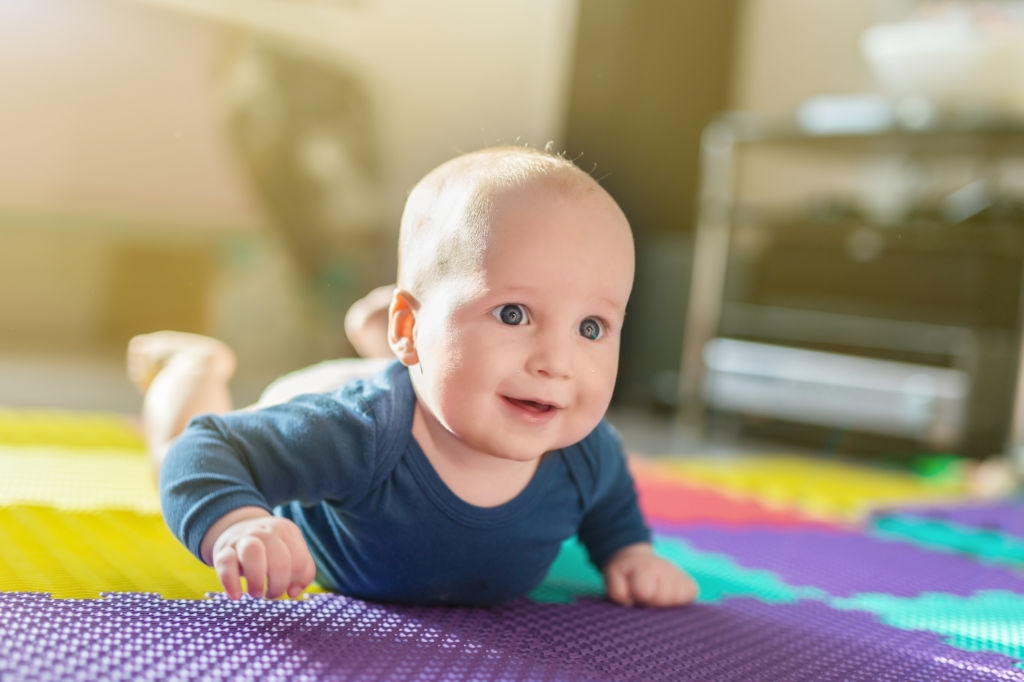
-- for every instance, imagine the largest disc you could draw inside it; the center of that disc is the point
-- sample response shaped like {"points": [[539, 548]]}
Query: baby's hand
{"points": [[269, 552], [635, 575]]}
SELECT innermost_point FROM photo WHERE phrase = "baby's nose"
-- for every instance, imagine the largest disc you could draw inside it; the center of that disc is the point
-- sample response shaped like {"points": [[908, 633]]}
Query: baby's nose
{"points": [[551, 358]]}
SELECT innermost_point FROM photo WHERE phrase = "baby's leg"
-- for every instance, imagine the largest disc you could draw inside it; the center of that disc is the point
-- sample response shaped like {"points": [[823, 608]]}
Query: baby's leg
{"points": [[366, 323], [320, 378], [181, 376]]}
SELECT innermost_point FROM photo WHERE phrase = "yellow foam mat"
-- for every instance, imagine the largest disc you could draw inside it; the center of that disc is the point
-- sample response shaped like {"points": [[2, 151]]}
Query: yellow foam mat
{"points": [[80, 514], [823, 489], [81, 554], [65, 427], [77, 479], [79, 511]]}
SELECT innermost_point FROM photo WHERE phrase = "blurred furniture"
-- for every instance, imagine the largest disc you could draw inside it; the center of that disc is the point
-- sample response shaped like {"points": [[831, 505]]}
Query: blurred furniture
{"points": [[857, 265]]}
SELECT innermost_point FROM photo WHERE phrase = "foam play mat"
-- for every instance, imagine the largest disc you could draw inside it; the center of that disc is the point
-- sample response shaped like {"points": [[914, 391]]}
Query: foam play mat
{"points": [[808, 570]]}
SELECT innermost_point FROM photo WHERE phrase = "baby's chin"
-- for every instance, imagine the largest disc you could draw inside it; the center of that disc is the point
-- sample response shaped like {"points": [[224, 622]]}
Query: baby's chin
{"points": [[568, 441], [524, 448], [532, 455]]}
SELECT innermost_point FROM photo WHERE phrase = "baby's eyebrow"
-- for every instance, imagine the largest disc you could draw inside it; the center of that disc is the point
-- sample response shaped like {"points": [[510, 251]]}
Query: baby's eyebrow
{"points": [[514, 290], [604, 306], [611, 305]]}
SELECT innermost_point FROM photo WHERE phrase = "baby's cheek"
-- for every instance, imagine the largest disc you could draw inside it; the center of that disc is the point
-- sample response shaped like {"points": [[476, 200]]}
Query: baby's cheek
{"points": [[592, 409], [599, 382]]}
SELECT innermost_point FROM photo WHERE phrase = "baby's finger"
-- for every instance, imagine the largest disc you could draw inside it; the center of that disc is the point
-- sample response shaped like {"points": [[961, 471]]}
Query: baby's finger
{"points": [[686, 590], [279, 568], [253, 557], [617, 586], [303, 571], [670, 592], [225, 563], [644, 587]]}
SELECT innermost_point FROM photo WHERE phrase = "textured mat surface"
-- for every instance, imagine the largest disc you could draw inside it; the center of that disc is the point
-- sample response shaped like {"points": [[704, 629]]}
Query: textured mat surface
{"points": [[671, 497], [1004, 516], [822, 489], [83, 553], [847, 563], [795, 584], [62, 477], [79, 430], [328, 637], [992, 531]]}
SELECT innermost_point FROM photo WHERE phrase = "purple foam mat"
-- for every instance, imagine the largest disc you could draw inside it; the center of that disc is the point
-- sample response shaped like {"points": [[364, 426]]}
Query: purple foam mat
{"points": [[329, 637], [848, 563], [1004, 516]]}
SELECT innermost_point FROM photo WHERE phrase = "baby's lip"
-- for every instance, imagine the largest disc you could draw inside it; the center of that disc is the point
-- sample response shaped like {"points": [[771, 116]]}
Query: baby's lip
{"points": [[533, 404]]}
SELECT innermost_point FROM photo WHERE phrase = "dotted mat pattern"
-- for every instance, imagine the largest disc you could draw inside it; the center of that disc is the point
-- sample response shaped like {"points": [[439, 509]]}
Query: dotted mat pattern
{"points": [[69, 428], [991, 530], [793, 586], [330, 637], [1004, 516], [82, 554], [849, 563], [62, 477]]}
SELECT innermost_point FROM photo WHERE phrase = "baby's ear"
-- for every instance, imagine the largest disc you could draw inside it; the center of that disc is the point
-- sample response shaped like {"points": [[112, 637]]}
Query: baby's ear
{"points": [[401, 327]]}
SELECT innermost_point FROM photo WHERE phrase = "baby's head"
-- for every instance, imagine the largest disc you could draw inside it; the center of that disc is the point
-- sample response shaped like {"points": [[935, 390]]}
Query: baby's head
{"points": [[446, 222], [514, 272]]}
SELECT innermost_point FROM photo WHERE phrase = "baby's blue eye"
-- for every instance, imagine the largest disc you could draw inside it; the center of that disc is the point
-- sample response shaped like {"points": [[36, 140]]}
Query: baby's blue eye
{"points": [[592, 329], [511, 314]]}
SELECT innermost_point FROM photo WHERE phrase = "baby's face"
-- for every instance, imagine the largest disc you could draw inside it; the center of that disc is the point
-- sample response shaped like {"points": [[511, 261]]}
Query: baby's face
{"points": [[521, 358]]}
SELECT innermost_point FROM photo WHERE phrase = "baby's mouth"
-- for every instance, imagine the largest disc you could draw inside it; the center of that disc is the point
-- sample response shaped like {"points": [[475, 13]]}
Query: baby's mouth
{"points": [[534, 406]]}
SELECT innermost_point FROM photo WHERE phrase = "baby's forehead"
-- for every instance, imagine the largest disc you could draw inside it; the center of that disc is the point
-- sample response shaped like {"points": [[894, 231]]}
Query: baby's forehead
{"points": [[471, 217], [490, 199], [451, 218]]}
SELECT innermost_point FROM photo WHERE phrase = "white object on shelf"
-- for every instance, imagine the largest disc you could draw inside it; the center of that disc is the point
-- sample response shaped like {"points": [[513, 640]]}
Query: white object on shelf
{"points": [[924, 402], [952, 61]]}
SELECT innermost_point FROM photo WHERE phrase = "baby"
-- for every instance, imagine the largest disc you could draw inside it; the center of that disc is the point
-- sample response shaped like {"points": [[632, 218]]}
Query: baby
{"points": [[453, 475]]}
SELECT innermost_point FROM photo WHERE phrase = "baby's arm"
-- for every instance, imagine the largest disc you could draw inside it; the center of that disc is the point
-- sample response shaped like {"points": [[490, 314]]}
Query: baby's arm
{"points": [[615, 534], [635, 575], [269, 552], [225, 473]]}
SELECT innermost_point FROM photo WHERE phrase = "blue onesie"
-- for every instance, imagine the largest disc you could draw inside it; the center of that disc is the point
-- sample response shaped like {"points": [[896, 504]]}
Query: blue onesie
{"points": [[380, 523]]}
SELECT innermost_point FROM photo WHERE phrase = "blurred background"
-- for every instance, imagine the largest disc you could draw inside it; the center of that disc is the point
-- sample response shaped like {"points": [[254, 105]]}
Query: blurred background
{"points": [[827, 197]]}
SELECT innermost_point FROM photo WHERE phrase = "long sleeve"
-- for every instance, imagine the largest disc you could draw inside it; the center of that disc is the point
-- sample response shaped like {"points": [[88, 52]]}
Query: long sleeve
{"points": [[314, 448], [612, 518]]}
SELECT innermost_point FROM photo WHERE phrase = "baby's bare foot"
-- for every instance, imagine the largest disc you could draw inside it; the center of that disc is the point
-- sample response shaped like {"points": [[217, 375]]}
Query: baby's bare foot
{"points": [[148, 354], [994, 478], [366, 324]]}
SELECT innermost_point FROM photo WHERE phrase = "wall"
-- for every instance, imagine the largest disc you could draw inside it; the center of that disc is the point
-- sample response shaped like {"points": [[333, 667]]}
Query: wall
{"points": [[443, 77], [109, 141], [789, 50], [115, 161], [107, 106], [649, 75]]}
